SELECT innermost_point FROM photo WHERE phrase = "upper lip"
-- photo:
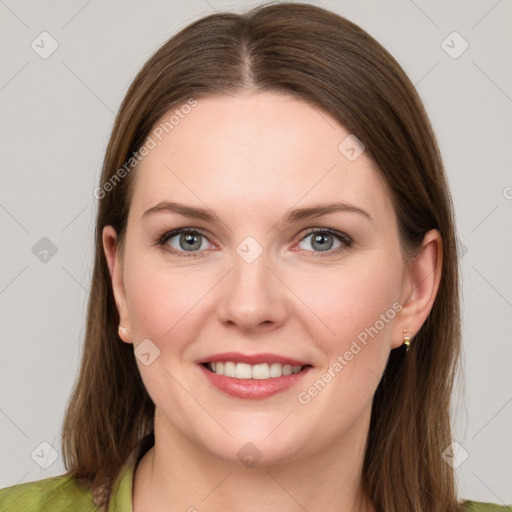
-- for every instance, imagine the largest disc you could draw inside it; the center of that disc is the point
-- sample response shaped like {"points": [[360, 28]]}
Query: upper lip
{"points": [[252, 359]]}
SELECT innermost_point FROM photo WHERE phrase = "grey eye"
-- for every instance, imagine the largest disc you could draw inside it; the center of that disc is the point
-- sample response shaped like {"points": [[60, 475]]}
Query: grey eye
{"points": [[320, 241], [191, 241]]}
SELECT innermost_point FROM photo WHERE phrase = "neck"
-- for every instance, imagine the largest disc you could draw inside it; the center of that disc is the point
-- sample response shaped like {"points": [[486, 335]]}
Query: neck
{"points": [[177, 475]]}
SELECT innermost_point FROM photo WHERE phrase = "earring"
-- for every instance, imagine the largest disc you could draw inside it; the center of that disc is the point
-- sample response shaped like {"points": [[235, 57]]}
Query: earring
{"points": [[124, 329], [407, 339]]}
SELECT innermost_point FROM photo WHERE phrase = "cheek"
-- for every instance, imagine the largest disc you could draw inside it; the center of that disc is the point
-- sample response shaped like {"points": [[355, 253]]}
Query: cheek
{"points": [[159, 301], [165, 301], [357, 311], [357, 302], [164, 306]]}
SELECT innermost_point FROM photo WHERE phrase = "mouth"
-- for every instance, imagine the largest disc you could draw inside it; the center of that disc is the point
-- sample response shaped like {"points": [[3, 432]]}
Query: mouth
{"points": [[253, 381], [245, 371]]}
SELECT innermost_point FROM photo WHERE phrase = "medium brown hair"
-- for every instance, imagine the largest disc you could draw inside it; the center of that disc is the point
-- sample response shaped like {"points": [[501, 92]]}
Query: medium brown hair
{"points": [[333, 64]]}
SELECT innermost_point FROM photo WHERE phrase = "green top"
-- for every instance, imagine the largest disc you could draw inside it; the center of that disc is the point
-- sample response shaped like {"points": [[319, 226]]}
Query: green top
{"points": [[62, 494]]}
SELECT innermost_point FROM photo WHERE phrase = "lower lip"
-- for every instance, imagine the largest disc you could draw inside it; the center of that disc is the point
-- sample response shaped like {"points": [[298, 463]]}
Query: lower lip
{"points": [[254, 388]]}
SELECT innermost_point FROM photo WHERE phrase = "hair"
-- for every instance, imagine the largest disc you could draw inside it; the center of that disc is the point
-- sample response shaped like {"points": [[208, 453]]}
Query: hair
{"points": [[331, 63]]}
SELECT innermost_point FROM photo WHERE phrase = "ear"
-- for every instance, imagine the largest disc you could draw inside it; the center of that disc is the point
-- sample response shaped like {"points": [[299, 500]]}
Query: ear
{"points": [[420, 286], [113, 255]]}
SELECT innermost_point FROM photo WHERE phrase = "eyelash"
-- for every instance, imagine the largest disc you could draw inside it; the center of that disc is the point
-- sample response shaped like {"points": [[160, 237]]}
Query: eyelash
{"points": [[342, 237]]}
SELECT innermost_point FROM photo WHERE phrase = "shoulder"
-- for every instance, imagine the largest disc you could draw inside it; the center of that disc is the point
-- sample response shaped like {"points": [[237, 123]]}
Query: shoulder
{"points": [[64, 493], [476, 506], [58, 493]]}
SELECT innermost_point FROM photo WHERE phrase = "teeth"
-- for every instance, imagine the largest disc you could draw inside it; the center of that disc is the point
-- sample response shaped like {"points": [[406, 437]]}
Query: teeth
{"points": [[242, 371], [229, 369], [287, 369], [276, 370], [257, 371], [261, 371]]}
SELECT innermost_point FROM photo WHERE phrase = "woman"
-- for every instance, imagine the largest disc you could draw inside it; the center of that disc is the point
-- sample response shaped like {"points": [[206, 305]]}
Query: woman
{"points": [[274, 314]]}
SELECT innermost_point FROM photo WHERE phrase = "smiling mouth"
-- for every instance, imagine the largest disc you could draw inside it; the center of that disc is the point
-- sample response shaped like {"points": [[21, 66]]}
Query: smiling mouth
{"points": [[256, 371]]}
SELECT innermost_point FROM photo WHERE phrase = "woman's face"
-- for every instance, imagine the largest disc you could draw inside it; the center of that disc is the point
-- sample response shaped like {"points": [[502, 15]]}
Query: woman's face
{"points": [[256, 279]]}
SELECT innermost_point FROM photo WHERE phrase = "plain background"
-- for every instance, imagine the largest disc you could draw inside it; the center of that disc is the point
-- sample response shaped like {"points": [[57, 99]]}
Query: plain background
{"points": [[57, 113]]}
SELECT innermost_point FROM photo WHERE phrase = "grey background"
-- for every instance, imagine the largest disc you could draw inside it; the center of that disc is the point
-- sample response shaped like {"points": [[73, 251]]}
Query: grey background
{"points": [[56, 117]]}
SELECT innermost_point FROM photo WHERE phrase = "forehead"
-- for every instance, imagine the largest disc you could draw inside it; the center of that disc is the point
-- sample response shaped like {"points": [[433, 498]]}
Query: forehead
{"points": [[254, 152]]}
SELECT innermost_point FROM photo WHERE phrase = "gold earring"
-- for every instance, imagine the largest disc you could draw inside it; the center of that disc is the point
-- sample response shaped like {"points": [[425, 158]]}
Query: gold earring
{"points": [[407, 339]]}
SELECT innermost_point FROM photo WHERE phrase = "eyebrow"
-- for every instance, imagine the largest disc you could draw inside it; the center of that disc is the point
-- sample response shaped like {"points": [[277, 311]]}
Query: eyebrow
{"points": [[182, 209], [292, 216]]}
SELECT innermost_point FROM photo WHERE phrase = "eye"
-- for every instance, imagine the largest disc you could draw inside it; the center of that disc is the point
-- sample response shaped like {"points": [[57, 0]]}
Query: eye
{"points": [[184, 240], [191, 242], [325, 240]]}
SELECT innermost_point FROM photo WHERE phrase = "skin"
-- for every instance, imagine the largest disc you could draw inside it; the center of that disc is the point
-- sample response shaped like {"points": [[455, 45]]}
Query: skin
{"points": [[251, 158]]}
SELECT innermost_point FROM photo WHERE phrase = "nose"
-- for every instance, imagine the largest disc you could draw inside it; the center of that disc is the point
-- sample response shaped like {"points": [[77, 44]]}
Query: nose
{"points": [[252, 296]]}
